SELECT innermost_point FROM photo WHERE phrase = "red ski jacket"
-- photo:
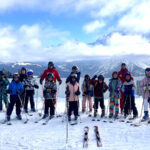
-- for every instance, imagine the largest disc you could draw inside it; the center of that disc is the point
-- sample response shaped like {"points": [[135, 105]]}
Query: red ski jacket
{"points": [[121, 75], [54, 72]]}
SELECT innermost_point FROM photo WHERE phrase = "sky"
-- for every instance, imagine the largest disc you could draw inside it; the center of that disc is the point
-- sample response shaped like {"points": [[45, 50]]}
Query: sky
{"points": [[68, 30]]}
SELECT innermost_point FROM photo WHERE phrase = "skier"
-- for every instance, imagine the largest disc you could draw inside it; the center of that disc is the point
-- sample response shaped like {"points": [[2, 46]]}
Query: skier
{"points": [[100, 87], [51, 69], [129, 98], [86, 90], [15, 89], [29, 85], [121, 75], [75, 70], [49, 93], [72, 93], [3, 91], [23, 76], [114, 89], [145, 85]]}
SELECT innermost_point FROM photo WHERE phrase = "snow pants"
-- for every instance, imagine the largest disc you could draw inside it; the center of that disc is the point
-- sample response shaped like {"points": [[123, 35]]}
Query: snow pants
{"points": [[14, 99], [97, 101], [3, 97], [29, 94], [73, 107], [130, 105], [49, 103], [146, 104], [114, 103], [122, 101], [84, 99]]}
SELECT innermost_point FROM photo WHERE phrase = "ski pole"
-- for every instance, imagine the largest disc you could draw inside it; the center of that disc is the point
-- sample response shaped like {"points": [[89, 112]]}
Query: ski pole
{"points": [[37, 99], [67, 120]]}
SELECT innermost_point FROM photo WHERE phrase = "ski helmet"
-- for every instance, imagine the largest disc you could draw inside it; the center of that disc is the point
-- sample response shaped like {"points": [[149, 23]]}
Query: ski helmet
{"points": [[30, 72], [147, 71], [50, 64], [127, 73], [87, 76], [101, 77], [73, 75], [50, 75], [75, 68]]}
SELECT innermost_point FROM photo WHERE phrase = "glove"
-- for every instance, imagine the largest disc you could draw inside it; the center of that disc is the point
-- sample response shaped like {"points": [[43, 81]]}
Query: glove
{"points": [[60, 82], [53, 91], [149, 100], [41, 81], [67, 93], [25, 86], [117, 91], [36, 86], [94, 77], [77, 93], [18, 92]]}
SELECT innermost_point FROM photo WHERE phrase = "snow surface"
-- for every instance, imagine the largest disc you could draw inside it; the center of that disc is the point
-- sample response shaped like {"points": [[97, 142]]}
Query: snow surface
{"points": [[31, 136]]}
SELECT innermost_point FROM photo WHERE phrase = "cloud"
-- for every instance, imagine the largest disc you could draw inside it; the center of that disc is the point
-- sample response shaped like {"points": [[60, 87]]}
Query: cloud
{"points": [[93, 26]]}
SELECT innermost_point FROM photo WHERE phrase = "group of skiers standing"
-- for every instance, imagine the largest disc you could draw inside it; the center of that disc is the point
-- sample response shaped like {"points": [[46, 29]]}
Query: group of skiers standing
{"points": [[121, 89]]}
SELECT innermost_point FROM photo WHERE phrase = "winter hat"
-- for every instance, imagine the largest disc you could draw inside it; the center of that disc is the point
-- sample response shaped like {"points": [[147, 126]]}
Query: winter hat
{"points": [[30, 72], [15, 75], [23, 68], [50, 75], [101, 77], [123, 64], [75, 68], [50, 64], [86, 76], [147, 72]]}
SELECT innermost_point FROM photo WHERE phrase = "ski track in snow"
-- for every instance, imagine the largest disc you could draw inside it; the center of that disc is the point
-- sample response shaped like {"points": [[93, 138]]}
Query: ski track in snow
{"points": [[32, 136]]}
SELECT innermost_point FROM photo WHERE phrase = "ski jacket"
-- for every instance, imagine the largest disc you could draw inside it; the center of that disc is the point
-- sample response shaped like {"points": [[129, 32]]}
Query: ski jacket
{"points": [[145, 85], [3, 86], [128, 88], [121, 75], [15, 88], [73, 89], [69, 77], [115, 87], [53, 71], [29, 83], [50, 89], [99, 88], [86, 88], [22, 77]]}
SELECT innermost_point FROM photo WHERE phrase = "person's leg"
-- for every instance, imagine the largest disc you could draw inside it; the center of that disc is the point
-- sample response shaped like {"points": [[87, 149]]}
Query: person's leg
{"points": [[90, 102], [133, 107], [126, 107], [11, 105], [18, 106], [32, 100], [83, 103], [1, 103], [95, 106], [122, 99], [111, 107], [26, 101], [116, 106], [102, 107], [52, 108]]}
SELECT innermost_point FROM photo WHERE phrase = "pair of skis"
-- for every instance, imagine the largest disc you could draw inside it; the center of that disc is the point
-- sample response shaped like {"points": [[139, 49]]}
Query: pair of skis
{"points": [[97, 134]]}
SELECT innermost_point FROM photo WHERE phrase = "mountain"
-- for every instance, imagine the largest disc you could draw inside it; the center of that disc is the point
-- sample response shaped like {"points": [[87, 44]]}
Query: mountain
{"points": [[100, 65]]}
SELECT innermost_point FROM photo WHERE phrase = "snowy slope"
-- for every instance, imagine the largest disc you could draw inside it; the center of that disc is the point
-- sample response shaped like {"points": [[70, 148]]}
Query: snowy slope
{"points": [[31, 136]]}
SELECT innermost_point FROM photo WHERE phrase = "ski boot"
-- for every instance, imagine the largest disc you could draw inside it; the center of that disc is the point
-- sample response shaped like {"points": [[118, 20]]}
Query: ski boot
{"points": [[103, 113], [33, 109], [83, 110], [8, 118], [45, 116], [69, 118], [19, 117], [110, 116], [95, 114], [25, 110], [146, 116], [76, 118], [51, 117], [116, 116]]}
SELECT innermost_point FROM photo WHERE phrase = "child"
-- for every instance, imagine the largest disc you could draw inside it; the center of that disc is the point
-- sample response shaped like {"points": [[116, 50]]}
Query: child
{"points": [[72, 93], [114, 89], [15, 89], [49, 92], [29, 85], [86, 89], [129, 98], [3, 91], [145, 85], [100, 87]]}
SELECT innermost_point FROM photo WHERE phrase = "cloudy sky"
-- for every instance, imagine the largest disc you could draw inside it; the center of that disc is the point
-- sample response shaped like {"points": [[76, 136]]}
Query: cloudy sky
{"points": [[43, 30]]}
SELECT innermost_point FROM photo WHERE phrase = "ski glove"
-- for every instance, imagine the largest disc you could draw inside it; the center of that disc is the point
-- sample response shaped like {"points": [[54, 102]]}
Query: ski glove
{"points": [[149, 99], [60, 82], [36, 86], [77, 93], [94, 77], [67, 93], [19, 92], [9, 91]]}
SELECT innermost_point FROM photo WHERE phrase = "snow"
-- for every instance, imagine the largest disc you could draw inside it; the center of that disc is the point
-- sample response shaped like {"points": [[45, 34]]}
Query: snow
{"points": [[31, 136]]}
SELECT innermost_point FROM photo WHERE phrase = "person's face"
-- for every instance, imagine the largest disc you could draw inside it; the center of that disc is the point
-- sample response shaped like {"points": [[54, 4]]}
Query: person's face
{"points": [[128, 77], [115, 75], [16, 78], [23, 72], [100, 80], [73, 79], [50, 79], [74, 70], [123, 67]]}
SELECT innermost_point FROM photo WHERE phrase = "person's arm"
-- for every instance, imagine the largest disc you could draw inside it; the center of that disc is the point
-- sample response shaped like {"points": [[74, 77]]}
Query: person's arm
{"points": [[43, 76], [58, 77]]}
